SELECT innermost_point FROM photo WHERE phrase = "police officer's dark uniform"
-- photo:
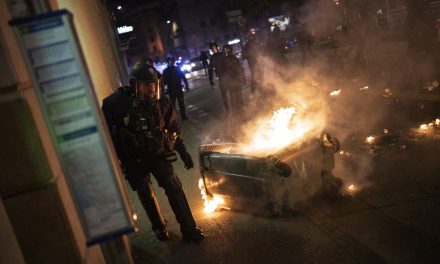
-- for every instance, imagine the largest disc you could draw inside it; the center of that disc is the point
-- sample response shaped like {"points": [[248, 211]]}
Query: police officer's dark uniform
{"points": [[145, 134], [215, 64], [251, 53], [231, 80], [172, 78]]}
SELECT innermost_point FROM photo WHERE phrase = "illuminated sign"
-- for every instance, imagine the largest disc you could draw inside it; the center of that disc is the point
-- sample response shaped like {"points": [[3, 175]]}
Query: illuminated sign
{"points": [[125, 29], [67, 99]]}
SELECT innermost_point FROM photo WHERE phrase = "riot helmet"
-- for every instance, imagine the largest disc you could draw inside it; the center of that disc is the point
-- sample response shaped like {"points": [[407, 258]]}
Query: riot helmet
{"points": [[227, 50], [213, 46], [171, 61], [146, 82]]}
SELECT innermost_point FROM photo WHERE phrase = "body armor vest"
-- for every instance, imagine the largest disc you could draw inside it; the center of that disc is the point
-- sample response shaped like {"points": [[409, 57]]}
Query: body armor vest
{"points": [[145, 127]]}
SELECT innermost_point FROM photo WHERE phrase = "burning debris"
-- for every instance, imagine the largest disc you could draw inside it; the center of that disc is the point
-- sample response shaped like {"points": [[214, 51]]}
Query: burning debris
{"points": [[431, 86], [429, 130], [369, 139], [358, 149], [267, 184], [387, 93], [352, 189], [335, 93]]}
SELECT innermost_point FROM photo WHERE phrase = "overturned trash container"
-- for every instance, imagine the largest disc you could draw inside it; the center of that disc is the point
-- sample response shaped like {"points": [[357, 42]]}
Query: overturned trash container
{"points": [[269, 184]]}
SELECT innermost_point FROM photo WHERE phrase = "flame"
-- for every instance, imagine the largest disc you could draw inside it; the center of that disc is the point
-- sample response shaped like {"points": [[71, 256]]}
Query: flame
{"points": [[352, 189], [424, 127], [370, 139], [269, 135], [210, 203], [335, 93]]}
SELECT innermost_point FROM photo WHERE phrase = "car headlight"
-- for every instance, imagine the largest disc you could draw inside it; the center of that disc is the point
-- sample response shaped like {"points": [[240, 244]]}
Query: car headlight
{"points": [[186, 67]]}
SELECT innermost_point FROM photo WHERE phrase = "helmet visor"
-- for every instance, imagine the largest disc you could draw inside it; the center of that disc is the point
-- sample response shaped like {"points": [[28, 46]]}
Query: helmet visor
{"points": [[148, 90]]}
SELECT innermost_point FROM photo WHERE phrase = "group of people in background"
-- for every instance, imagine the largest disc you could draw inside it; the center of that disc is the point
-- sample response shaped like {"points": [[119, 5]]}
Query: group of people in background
{"points": [[229, 71]]}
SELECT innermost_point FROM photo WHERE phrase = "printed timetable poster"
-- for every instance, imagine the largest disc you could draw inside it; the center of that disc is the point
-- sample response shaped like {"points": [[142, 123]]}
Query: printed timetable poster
{"points": [[66, 96]]}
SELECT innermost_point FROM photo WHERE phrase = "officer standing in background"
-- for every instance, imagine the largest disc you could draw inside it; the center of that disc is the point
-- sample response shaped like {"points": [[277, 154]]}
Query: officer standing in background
{"points": [[250, 53], [204, 60], [215, 62], [172, 79], [145, 134], [231, 81]]}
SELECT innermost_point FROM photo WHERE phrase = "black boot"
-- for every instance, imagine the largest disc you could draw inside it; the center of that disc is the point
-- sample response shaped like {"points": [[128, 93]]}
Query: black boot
{"points": [[148, 200], [179, 204], [192, 234]]}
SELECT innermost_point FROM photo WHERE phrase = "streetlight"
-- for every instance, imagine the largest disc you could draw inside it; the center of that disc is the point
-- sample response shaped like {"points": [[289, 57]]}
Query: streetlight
{"points": [[119, 7], [168, 21]]}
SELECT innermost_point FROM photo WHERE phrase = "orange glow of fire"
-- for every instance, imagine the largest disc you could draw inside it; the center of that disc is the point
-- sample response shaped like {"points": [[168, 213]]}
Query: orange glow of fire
{"points": [[352, 188], [285, 127], [210, 203], [424, 127]]}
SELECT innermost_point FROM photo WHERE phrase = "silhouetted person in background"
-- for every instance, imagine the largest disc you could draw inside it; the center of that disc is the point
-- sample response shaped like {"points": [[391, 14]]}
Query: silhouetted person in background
{"points": [[275, 47], [204, 61], [231, 81], [172, 79], [215, 62], [251, 51]]}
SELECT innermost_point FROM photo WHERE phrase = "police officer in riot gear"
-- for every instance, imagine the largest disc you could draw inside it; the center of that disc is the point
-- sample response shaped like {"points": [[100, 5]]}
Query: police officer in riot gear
{"points": [[250, 53], [172, 78], [215, 62], [231, 80], [145, 134]]}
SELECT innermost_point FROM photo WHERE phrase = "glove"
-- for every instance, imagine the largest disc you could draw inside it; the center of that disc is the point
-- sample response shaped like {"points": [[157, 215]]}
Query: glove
{"points": [[187, 160]]}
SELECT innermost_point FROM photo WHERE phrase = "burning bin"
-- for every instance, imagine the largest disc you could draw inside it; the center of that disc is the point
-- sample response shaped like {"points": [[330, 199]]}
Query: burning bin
{"points": [[271, 183]]}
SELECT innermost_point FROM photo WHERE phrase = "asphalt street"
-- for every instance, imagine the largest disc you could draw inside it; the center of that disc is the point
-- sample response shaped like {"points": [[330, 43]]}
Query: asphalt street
{"points": [[393, 218]]}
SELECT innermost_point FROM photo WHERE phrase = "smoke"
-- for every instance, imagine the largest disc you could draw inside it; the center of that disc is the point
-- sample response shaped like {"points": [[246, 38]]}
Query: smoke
{"points": [[355, 53]]}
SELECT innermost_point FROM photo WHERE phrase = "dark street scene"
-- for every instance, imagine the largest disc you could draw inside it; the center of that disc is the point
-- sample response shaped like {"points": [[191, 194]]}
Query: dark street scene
{"points": [[220, 131]]}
